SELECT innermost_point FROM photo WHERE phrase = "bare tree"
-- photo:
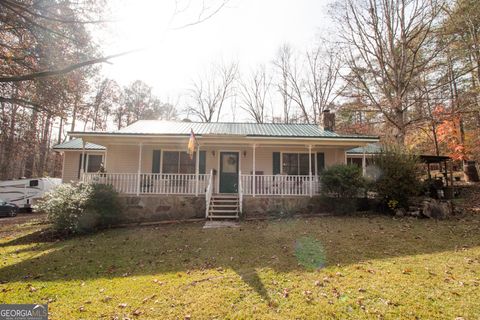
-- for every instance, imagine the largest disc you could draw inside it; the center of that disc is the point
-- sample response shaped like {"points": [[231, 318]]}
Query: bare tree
{"points": [[254, 91], [209, 92], [323, 77], [389, 43], [283, 65]]}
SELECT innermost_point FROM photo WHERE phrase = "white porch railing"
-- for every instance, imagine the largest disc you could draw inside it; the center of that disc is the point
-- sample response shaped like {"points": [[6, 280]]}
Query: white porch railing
{"points": [[166, 183], [282, 185], [152, 183]]}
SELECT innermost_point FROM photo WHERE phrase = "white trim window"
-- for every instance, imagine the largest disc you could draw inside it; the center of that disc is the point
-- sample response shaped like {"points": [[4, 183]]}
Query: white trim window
{"points": [[94, 163], [178, 162], [295, 164]]}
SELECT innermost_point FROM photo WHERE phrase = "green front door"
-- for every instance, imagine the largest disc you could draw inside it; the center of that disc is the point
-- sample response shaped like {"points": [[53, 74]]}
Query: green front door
{"points": [[229, 172]]}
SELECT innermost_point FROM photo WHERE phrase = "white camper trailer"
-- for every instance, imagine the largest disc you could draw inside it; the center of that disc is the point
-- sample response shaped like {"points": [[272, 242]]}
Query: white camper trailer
{"points": [[25, 192]]}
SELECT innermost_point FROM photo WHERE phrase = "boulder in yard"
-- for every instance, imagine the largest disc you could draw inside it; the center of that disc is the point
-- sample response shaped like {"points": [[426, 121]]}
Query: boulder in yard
{"points": [[400, 212], [437, 209]]}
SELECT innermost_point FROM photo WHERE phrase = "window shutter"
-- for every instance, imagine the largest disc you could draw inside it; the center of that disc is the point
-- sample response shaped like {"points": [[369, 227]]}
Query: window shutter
{"points": [[276, 163], [156, 161], [320, 162], [202, 162]]}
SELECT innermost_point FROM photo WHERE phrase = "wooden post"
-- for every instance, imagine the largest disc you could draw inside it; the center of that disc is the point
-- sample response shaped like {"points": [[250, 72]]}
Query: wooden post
{"points": [[254, 182], [139, 182], [197, 170], [310, 169]]}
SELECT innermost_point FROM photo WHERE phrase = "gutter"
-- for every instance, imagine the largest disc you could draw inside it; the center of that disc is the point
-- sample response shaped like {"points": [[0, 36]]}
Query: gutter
{"points": [[253, 137]]}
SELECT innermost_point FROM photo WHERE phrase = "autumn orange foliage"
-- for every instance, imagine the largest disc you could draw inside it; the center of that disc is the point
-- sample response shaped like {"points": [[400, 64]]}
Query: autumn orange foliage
{"points": [[449, 133]]}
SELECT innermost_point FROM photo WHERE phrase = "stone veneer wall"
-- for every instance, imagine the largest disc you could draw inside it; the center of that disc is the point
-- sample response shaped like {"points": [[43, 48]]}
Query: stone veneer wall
{"points": [[284, 206], [146, 208], [162, 207]]}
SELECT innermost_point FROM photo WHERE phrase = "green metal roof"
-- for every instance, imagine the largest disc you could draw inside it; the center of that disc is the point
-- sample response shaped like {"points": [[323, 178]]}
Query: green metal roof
{"points": [[368, 149], [158, 127], [76, 144]]}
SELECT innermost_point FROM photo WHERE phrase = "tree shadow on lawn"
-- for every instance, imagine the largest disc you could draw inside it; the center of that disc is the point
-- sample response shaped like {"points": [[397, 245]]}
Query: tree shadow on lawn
{"points": [[282, 246]]}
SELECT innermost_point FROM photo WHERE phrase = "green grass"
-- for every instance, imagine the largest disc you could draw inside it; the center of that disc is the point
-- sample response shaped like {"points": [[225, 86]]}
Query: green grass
{"points": [[373, 267]]}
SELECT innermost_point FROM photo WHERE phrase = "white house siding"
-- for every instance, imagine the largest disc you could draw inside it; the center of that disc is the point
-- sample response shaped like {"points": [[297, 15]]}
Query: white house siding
{"points": [[124, 158], [70, 166]]}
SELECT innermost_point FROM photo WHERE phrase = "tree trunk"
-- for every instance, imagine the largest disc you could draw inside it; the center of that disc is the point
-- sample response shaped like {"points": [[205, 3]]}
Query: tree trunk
{"points": [[31, 146]]}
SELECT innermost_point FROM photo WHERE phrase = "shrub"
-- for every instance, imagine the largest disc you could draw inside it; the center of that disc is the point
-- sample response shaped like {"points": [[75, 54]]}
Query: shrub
{"points": [[81, 208], [395, 177], [344, 181]]}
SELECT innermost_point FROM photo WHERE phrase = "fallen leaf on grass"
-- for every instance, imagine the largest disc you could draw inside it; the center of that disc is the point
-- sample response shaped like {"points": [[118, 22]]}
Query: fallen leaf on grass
{"points": [[149, 298], [137, 313]]}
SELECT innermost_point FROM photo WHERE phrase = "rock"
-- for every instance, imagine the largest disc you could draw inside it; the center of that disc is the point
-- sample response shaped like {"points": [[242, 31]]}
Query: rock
{"points": [[400, 212], [437, 209], [415, 213]]}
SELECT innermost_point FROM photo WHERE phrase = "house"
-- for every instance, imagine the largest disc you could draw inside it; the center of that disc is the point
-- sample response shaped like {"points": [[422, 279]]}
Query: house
{"points": [[237, 168]]}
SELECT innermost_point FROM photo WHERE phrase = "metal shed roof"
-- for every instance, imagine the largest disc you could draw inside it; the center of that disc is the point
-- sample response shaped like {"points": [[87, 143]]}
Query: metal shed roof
{"points": [[76, 144], [158, 127], [368, 149]]}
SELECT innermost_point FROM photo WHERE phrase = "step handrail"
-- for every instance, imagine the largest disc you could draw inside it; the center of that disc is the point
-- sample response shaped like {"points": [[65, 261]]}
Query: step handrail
{"points": [[240, 192], [208, 193]]}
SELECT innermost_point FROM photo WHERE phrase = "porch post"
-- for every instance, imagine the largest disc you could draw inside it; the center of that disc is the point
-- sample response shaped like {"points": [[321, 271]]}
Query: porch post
{"points": [[105, 159], [86, 161], [254, 182], [139, 182], [82, 159], [197, 169], [364, 163], [310, 169]]}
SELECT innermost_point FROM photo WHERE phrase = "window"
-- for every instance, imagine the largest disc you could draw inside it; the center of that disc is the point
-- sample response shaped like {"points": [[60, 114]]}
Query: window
{"points": [[297, 163], [94, 163], [178, 162], [354, 161]]}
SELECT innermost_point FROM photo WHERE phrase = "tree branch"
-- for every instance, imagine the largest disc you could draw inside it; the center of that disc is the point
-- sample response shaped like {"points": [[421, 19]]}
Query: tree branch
{"points": [[50, 73]]}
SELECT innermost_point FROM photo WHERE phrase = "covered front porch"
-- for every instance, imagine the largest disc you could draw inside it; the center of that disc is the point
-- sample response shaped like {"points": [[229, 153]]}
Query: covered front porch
{"points": [[248, 169], [219, 166]]}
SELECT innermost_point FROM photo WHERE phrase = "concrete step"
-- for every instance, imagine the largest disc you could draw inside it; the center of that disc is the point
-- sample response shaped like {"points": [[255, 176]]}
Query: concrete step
{"points": [[225, 195], [224, 205], [222, 217], [223, 211]]}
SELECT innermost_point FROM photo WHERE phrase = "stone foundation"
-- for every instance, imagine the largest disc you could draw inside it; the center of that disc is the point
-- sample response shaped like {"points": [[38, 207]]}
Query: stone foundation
{"points": [[284, 206], [162, 207], [146, 208]]}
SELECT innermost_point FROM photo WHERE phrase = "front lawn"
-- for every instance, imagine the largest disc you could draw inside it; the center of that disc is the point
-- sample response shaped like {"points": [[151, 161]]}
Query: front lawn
{"points": [[328, 267]]}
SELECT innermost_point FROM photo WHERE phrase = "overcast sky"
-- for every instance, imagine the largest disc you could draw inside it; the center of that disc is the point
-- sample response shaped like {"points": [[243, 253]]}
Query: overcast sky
{"points": [[248, 31]]}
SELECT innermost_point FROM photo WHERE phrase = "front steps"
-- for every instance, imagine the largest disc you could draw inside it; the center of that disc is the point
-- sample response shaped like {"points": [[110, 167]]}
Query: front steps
{"points": [[224, 206]]}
